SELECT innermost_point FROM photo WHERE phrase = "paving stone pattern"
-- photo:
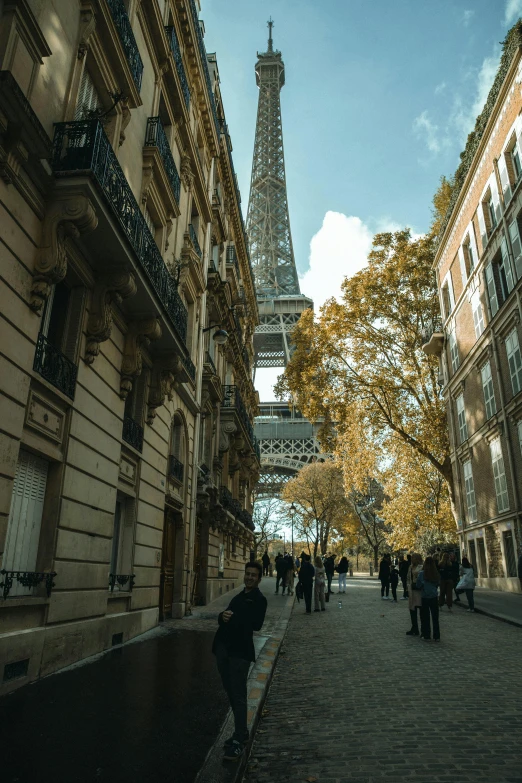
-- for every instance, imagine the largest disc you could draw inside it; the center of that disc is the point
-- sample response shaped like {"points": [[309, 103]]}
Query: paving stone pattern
{"points": [[355, 700]]}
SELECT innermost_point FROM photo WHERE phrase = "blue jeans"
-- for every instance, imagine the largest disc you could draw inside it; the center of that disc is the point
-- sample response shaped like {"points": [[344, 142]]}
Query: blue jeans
{"points": [[469, 596]]}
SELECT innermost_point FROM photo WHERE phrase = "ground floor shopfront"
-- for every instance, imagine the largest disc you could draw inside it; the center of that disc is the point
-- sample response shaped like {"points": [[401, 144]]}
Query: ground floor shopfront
{"points": [[494, 550]]}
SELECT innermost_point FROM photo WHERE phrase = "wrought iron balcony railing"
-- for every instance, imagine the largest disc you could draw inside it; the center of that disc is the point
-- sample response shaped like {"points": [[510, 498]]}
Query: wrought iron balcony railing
{"points": [[194, 240], [83, 146], [435, 327], [122, 580], [232, 399], [209, 360], [246, 518], [229, 502], [257, 448], [174, 48], [155, 137], [128, 41], [132, 433], [176, 468], [28, 579], [232, 258], [56, 368], [204, 62], [190, 367]]}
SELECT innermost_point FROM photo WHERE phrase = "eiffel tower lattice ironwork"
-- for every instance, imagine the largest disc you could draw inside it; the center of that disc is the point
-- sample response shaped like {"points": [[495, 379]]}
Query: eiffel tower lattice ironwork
{"points": [[280, 301]]}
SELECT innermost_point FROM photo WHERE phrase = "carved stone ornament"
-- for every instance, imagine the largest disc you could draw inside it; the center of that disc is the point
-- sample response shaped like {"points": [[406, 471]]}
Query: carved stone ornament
{"points": [[139, 335], [163, 380], [186, 173], [226, 430], [64, 219], [87, 27], [110, 288], [125, 118]]}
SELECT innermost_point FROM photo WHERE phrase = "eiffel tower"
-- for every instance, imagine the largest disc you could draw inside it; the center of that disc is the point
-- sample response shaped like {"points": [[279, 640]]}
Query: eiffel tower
{"points": [[288, 441]]}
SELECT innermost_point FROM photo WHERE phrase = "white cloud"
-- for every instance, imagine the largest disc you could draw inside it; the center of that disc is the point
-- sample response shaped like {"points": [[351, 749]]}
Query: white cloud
{"points": [[513, 11], [426, 129], [440, 88], [467, 16], [338, 250]]}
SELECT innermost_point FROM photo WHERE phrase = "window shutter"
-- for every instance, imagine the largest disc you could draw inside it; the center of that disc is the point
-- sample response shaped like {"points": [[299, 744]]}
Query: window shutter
{"points": [[74, 324], [504, 178], [507, 264], [495, 197], [473, 243], [482, 225], [492, 290], [478, 318], [25, 516], [463, 271], [88, 98], [514, 235]]}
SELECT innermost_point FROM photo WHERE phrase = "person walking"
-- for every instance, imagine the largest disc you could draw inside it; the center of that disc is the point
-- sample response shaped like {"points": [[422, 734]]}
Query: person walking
{"points": [[266, 562], [306, 577], [342, 570], [320, 581], [234, 650], [384, 576], [455, 575], [403, 574], [394, 581], [289, 576], [467, 583], [414, 593], [446, 581], [428, 580], [329, 567], [280, 565]]}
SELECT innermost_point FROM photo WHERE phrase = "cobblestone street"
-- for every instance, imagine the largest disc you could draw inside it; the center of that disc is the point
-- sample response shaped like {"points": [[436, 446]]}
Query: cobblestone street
{"points": [[355, 700]]}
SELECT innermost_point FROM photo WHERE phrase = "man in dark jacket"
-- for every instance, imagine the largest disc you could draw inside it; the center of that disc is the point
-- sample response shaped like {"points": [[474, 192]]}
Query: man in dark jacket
{"points": [[234, 650], [280, 564], [266, 562], [329, 567], [384, 576], [403, 573], [306, 577]]}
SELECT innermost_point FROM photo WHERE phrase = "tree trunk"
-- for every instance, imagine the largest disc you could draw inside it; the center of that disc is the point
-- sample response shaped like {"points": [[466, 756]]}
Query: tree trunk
{"points": [[376, 556], [447, 472]]}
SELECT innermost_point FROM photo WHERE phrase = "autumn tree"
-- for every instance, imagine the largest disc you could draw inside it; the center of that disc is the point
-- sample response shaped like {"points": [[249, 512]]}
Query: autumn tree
{"points": [[267, 521], [317, 492], [361, 358]]}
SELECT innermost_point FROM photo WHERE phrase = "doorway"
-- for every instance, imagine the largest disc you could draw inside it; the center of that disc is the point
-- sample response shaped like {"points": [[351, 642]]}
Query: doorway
{"points": [[168, 561]]}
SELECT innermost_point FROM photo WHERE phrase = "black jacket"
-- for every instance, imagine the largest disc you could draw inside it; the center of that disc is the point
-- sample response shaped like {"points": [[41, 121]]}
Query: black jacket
{"points": [[280, 564], [342, 567], [306, 574], [394, 576], [329, 565], [384, 569], [266, 559], [237, 635], [403, 569]]}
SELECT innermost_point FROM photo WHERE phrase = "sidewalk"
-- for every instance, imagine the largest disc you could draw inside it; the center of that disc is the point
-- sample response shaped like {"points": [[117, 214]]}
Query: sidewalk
{"points": [[496, 603], [149, 710]]}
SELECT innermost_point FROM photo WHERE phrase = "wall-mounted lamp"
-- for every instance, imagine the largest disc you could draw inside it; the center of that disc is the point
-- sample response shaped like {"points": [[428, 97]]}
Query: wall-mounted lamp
{"points": [[220, 336]]}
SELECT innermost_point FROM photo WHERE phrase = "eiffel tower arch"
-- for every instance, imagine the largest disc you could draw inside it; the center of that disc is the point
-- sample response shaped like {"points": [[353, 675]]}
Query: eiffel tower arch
{"points": [[287, 440]]}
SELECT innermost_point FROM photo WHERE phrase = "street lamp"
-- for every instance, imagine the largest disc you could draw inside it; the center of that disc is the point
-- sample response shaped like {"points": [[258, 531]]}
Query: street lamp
{"points": [[220, 336], [292, 511]]}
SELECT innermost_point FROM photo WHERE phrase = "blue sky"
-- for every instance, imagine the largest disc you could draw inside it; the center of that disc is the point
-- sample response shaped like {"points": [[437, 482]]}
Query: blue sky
{"points": [[378, 101]]}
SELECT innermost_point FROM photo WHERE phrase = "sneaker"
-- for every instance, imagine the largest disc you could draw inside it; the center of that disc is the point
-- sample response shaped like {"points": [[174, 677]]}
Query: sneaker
{"points": [[383, 598], [230, 741], [404, 598], [234, 751], [470, 610], [425, 638], [436, 640]]}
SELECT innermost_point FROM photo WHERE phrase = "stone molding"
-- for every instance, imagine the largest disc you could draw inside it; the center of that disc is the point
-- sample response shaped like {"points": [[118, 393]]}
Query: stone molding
{"points": [[113, 287], [139, 336]]}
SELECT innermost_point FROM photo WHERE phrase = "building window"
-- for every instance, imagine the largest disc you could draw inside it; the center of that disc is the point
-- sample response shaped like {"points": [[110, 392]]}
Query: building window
{"points": [[514, 235], [499, 279], [88, 99], [514, 361], [454, 350], [461, 416], [491, 212], [469, 257], [482, 562], [515, 160], [489, 391], [499, 475], [448, 301], [116, 539], [471, 504], [509, 552], [519, 428], [478, 316]]}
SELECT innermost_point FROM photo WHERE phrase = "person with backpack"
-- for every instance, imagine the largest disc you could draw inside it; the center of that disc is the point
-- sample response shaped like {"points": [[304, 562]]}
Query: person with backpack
{"points": [[306, 578], [467, 583], [428, 581], [329, 567], [342, 570], [384, 576], [320, 580]]}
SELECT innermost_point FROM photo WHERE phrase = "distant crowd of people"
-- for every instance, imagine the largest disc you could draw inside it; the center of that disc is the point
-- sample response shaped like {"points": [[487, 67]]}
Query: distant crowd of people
{"points": [[313, 580], [427, 585]]}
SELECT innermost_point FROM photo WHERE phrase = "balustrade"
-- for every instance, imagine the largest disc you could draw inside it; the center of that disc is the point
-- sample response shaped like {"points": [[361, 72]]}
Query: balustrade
{"points": [[56, 368], [174, 48], [155, 137], [127, 39]]}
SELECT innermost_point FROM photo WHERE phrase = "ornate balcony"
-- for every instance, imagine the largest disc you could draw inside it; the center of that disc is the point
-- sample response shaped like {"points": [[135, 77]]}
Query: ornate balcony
{"points": [[204, 62], [233, 400], [194, 240], [209, 360], [28, 579], [246, 518], [121, 580], [56, 368], [190, 367], [127, 39], [176, 468], [232, 258], [432, 337], [174, 48], [84, 147], [132, 433], [155, 137]]}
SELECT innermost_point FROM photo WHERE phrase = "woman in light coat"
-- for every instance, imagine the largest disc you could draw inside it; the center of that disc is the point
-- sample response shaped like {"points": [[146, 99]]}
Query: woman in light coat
{"points": [[467, 583], [414, 595]]}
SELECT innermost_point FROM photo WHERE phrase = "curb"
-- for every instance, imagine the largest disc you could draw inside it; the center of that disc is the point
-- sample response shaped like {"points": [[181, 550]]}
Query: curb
{"points": [[258, 683], [502, 618]]}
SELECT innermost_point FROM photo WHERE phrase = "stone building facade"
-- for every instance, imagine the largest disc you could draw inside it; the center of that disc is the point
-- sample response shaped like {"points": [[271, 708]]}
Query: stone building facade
{"points": [[479, 277], [127, 314]]}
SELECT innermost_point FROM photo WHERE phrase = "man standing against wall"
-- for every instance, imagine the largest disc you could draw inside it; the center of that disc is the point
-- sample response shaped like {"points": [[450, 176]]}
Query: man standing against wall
{"points": [[234, 650]]}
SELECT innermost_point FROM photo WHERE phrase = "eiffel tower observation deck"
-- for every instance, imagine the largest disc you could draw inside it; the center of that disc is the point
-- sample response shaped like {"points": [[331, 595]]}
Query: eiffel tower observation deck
{"points": [[288, 441]]}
